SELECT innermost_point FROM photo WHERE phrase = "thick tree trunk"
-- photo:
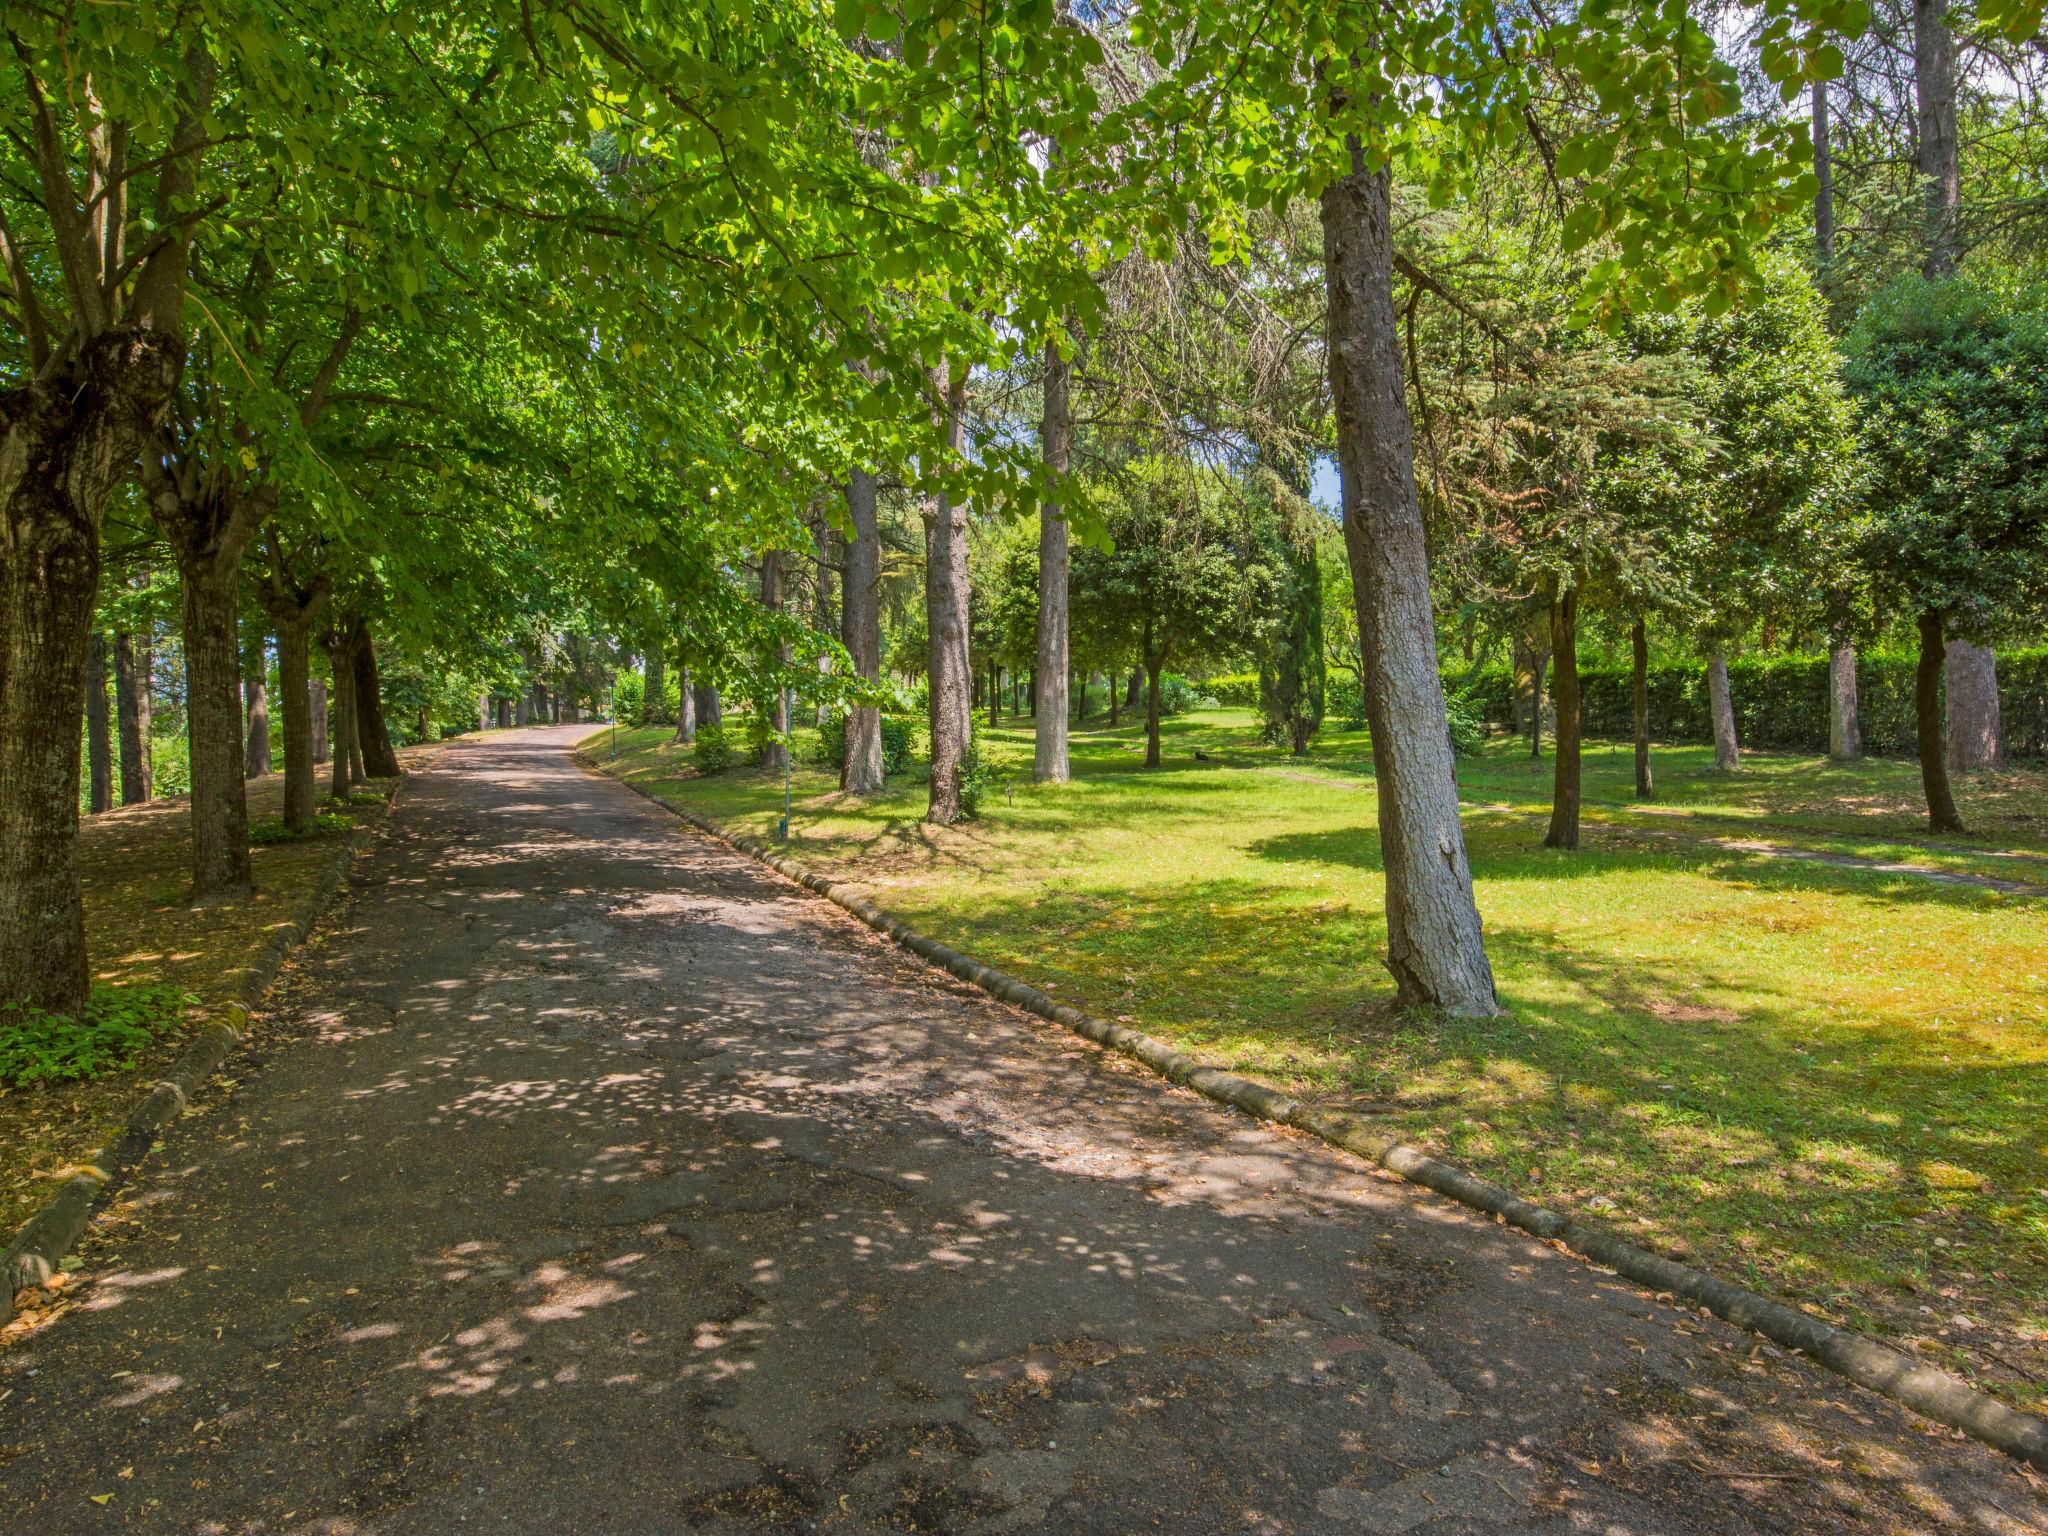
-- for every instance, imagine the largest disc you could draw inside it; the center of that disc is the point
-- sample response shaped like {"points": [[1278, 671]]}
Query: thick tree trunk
{"points": [[1975, 733], [342, 715], [1727, 749], [1937, 157], [1941, 804], [213, 714], [686, 709], [99, 754], [295, 697], [1050, 763], [64, 444], [708, 712], [255, 712], [380, 761], [1845, 728], [132, 660], [860, 631], [654, 683], [946, 604], [1564, 649], [1434, 945], [522, 711], [775, 754], [317, 688], [1639, 665]]}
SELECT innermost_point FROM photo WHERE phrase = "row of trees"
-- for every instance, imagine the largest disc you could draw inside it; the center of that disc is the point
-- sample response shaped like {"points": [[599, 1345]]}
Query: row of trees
{"points": [[437, 334]]}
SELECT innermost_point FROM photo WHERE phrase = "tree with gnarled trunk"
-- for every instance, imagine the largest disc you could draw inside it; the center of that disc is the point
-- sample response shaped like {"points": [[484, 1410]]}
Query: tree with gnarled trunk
{"points": [[950, 676]]}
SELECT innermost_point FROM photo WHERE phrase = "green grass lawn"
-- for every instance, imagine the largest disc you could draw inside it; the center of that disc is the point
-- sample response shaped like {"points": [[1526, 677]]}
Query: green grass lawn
{"points": [[1829, 1083]]}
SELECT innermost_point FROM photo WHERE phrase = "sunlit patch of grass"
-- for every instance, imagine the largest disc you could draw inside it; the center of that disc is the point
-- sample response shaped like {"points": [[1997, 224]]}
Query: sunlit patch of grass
{"points": [[1758, 1061]]}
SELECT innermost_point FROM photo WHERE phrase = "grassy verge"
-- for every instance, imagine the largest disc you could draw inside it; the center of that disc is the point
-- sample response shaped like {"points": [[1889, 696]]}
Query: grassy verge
{"points": [[143, 932], [1818, 1081]]}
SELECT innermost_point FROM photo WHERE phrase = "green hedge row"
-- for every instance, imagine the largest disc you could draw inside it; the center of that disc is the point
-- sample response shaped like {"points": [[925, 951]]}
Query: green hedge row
{"points": [[1781, 702]]}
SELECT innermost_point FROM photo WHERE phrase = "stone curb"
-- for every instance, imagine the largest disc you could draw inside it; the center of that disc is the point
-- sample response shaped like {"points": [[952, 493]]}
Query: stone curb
{"points": [[37, 1249], [1935, 1393]]}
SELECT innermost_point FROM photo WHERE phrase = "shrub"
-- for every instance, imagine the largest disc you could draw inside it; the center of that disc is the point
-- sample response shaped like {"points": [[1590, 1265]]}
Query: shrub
{"points": [[895, 743], [1781, 702], [713, 750], [629, 692], [1176, 694], [1466, 717], [271, 829], [1234, 690], [976, 779], [39, 1047]]}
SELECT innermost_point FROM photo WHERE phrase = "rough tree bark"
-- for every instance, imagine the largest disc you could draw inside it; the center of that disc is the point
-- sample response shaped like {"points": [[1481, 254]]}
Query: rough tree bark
{"points": [[775, 753], [860, 631], [293, 607], [951, 688], [1434, 945], [342, 712], [133, 659], [1936, 154], [1942, 815], [98, 751], [1975, 734], [96, 391], [1049, 759], [318, 689], [654, 683], [373, 736], [1845, 728], [65, 440], [708, 712], [1639, 663], [1564, 649], [686, 709], [1727, 749], [255, 712]]}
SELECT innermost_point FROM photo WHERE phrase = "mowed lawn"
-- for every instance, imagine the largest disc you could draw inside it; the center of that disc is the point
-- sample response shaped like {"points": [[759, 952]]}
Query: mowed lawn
{"points": [[1830, 1083]]}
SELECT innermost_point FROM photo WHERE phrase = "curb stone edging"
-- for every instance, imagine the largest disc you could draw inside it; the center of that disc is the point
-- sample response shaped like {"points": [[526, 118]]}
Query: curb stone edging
{"points": [[37, 1249], [1925, 1389]]}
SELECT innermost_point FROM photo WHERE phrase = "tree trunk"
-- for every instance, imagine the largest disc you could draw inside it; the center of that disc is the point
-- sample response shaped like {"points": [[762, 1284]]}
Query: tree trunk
{"points": [[295, 696], [1152, 670], [522, 711], [708, 712], [654, 684], [860, 631], [255, 712], [775, 754], [1845, 730], [946, 603], [65, 442], [1974, 727], [686, 709], [1824, 193], [132, 710], [98, 751], [1564, 650], [995, 697], [1539, 664], [213, 714], [1113, 691], [1434, 945], [317, 688], [342, 714], [1639, 664], [1050, 763], [1937, 157], [1131, 694], [1941, 805], [372, 737], [1727, 749]]}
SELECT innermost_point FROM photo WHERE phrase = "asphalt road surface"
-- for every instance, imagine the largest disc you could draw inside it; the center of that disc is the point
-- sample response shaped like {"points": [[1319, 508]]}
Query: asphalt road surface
{"points": [[587, 1177]]}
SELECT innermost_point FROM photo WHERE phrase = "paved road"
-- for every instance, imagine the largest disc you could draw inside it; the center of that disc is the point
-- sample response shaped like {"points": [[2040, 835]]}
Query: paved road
{"points": [[588, 1178]]}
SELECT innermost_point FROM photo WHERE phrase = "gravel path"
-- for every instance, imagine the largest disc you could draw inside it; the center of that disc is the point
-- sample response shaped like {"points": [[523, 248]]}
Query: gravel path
{"points": [[588, 1178]]}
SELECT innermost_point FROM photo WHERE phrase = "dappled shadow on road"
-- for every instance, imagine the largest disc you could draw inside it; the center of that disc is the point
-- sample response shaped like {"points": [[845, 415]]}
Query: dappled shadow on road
{"points": [[607, 1147]]}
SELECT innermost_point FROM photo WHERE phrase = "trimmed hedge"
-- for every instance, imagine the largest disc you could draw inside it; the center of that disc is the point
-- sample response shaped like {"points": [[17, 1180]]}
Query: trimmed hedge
{"points": [[1781, 702]]}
